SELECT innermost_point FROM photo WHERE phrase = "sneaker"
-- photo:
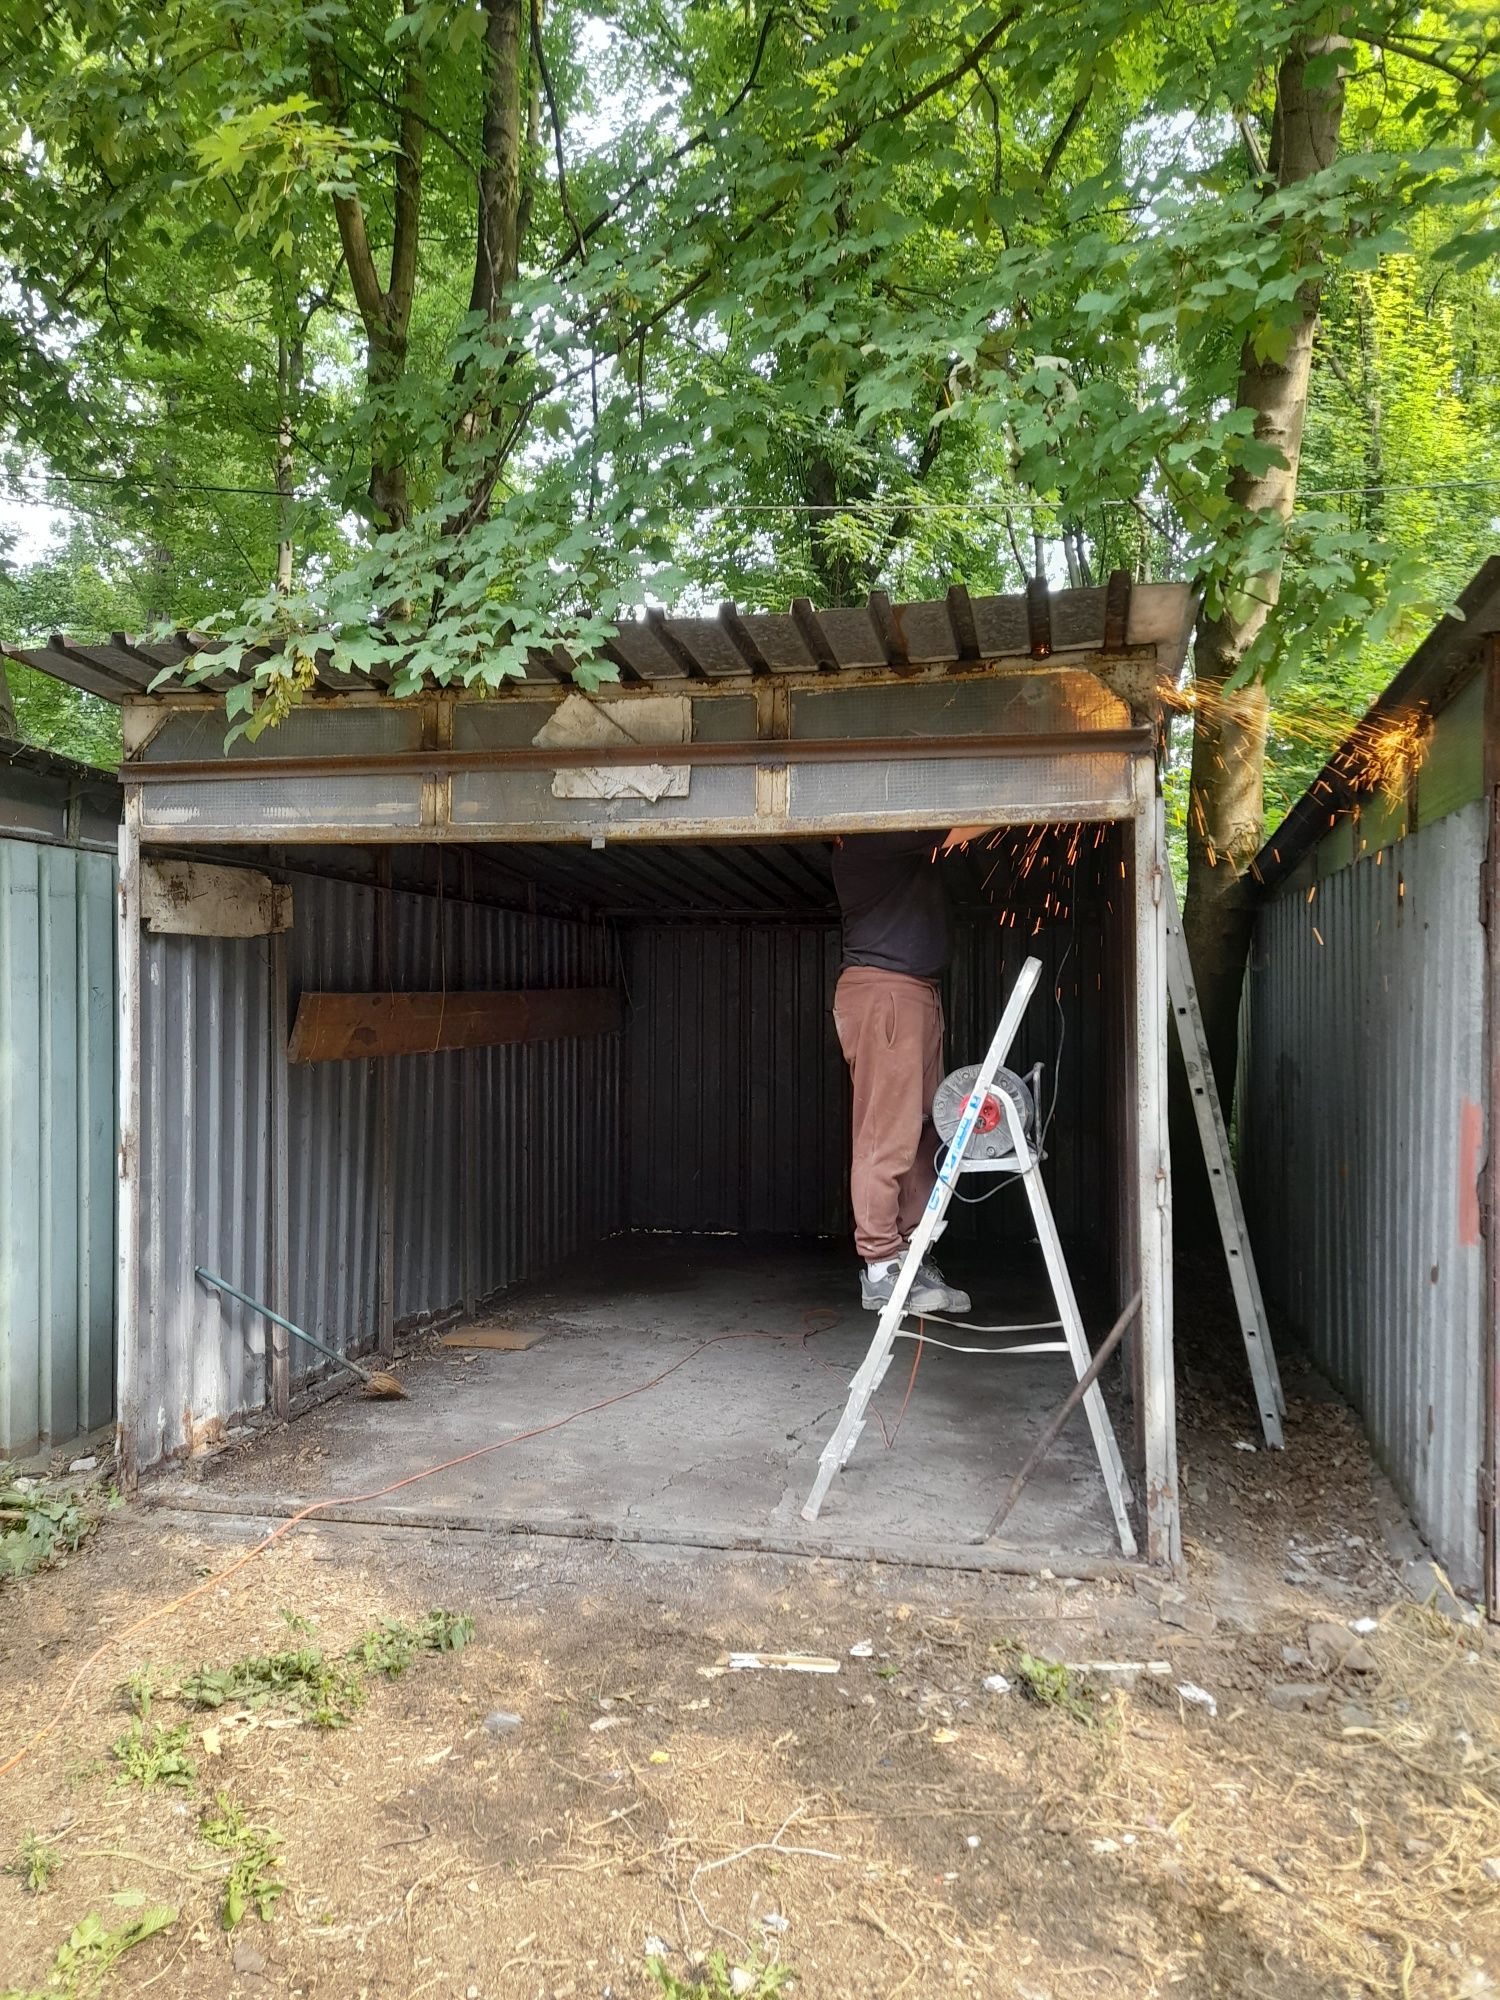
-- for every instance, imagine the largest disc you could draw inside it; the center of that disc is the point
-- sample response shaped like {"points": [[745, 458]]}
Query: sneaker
{"points": [[925, 1296], [875, 1293], [932, 1278]]}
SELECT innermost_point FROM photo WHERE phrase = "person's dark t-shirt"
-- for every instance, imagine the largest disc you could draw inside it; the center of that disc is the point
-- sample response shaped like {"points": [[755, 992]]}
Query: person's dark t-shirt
{"points": [[893, 902]]}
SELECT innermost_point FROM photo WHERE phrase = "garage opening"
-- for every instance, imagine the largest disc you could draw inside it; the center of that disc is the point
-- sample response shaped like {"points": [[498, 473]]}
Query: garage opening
{"points": [[655, 1156], [665, 1193]]}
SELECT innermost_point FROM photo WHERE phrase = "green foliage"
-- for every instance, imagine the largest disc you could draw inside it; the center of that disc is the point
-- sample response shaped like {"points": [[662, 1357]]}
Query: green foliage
{"points": [[84, 1961], [151, 1755], [253, 1881], [39, 1523], [326, 1692], [829, 300], [35, 1863], [391, 1646], [319, 1690], [1050, 1685], [714, 1980]]}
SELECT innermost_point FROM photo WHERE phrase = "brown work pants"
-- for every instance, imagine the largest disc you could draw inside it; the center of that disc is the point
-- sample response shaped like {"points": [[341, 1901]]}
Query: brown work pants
{"points": [[890, 1028]]}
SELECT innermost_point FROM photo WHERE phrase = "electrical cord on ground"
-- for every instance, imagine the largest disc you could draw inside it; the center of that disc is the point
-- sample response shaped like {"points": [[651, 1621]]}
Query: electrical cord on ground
{"points": [[274, 1535]]}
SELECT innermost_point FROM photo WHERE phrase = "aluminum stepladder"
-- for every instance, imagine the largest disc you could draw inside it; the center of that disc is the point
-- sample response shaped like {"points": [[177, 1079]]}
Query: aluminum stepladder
{"points": [[1182, 991], [1023, 1162]]}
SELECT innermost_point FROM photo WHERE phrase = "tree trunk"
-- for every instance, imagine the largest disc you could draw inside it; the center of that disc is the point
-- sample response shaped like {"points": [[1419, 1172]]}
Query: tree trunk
{"points": [[497, 251], [1227, 797], [385, 310]]}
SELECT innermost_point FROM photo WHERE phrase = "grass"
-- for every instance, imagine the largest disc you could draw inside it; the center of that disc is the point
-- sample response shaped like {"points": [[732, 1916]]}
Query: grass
{"points": [[328, 1692], [1051, 1685], [35, 1863], [321, 1690], [150, 1756], [253, 1882], [93, 1948], [390, 1647], [39, 1524], [717, 1979]]}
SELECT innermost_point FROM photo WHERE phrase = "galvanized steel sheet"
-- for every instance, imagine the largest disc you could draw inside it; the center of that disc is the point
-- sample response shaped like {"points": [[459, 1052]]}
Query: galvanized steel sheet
{"points": [[1362, 1128], [504, 1160], [57, 1143]]}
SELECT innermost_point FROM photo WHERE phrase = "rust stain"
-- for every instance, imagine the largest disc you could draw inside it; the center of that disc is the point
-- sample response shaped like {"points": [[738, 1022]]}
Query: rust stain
{"points": [[1470, 1133]]}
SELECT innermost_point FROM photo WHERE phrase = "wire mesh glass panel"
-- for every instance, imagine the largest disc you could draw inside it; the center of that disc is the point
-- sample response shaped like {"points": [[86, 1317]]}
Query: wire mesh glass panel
{"points": [[244, 808], [314, 730], [1008, 789], [522, 802], [1028, 703]]}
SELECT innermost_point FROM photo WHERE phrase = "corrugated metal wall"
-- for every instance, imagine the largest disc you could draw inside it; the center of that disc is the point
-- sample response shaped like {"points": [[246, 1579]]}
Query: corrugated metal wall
{"points": [[1362, 1136], [738, 1096], [504, 1160], [205, 1186], [57, 1143], [333, 1136]]}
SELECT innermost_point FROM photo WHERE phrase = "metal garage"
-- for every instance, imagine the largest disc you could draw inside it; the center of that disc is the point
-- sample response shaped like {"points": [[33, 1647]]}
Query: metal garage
{"points": [[644, 876]]}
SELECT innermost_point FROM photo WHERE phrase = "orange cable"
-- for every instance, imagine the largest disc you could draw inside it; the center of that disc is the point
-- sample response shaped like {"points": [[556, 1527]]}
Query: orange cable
{"points": [[357, 1500], [911, 1383]]}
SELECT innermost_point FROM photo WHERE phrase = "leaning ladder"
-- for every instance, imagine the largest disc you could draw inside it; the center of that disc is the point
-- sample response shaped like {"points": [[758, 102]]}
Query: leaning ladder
{"points": [[1182, 990], [1025, 1162]]}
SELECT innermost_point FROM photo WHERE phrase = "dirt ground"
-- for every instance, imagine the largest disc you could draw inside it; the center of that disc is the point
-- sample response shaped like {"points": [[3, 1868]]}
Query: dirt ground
{"points": [[890, 1828]]}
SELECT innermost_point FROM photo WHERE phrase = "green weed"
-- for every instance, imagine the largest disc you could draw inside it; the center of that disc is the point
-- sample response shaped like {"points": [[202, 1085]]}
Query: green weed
{"points": [[714, 1980], [35, 1863], [149, 1755], [319, 1689], [39, 1524], [252, 1882], [92, 1949], [1052, 1685], [391, 1646]]}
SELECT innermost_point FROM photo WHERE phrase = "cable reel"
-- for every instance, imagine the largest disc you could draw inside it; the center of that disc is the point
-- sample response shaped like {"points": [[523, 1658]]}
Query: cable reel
{"points": [[991, 1138]]}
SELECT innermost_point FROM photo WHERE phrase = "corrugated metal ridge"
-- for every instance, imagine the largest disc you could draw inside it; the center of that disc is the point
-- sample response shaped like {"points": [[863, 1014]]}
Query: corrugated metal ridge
{"points": [[955, 631], [1429, 680], [51, 764]]}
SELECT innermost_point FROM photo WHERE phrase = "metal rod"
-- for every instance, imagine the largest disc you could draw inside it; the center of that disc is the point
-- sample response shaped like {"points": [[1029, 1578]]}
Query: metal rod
{"points": [[223, 1285], [1049, 1436], [530, 757]]}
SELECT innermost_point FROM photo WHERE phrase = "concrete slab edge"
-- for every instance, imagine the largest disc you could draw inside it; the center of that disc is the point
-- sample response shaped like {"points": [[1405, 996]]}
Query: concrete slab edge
{"points": [[252, 1507]]}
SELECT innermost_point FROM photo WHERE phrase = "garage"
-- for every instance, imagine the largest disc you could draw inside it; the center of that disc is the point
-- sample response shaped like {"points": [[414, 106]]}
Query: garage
{"points": [[511, 1016]]}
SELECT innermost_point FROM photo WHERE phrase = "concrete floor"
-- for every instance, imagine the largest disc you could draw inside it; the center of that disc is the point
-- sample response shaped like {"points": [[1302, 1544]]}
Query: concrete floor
{"points": [[723, 1451]]}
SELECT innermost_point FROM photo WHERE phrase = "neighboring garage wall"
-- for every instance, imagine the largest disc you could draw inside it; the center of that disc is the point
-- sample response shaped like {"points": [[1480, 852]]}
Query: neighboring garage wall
{"points": [[1362, 1139], [503, 1160], [58, 830]]}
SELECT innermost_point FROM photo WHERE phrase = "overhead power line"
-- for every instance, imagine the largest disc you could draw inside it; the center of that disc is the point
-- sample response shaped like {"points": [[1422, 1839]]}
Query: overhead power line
{"points": [[917, 504]]}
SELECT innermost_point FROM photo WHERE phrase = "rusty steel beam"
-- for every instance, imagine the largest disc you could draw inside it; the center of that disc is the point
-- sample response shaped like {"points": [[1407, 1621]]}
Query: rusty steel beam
{"points": [[529, 757]]}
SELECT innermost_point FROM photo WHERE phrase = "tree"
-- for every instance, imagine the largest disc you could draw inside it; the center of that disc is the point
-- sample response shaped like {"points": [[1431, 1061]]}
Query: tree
{"points": [[990, 290], [1227, 799]]}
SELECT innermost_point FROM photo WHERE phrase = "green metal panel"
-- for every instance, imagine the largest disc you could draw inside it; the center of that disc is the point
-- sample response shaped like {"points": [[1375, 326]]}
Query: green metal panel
{"points": [[1452, 771], [57, 1142]]}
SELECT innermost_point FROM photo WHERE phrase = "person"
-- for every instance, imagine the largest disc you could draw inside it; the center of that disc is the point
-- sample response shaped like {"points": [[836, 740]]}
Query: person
{"points": [[888, 1012]]}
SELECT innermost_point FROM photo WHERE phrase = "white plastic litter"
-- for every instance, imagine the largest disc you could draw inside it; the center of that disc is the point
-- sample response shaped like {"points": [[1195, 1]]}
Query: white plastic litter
{"points": [[861, 1650], [1365, 1625], [1200, 1697], [996, 1684]]}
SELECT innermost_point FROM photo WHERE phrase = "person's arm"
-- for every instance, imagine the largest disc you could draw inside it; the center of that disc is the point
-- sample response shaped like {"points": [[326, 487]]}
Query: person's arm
{"points": [[960, 836]]}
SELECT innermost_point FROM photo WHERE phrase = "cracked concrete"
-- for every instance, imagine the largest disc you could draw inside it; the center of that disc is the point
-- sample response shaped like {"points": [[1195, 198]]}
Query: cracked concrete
{"points": [[726, 1447]]}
